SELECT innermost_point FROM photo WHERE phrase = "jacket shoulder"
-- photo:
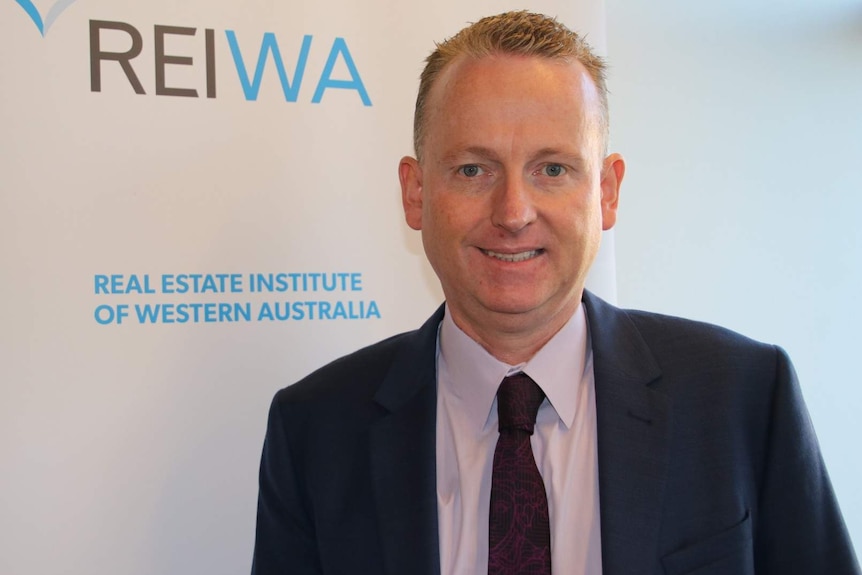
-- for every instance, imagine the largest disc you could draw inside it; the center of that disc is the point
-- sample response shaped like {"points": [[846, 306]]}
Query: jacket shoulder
{"points": [[351, 376], [684, 359], [680, 332], [700, 351]]}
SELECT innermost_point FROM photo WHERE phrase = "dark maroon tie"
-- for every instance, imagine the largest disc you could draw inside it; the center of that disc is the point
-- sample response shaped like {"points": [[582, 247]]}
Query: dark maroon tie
{"points": [[520, 533]]}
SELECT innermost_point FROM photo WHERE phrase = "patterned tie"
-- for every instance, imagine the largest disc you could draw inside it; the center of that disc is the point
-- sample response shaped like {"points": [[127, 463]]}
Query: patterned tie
{"points": [[520, 533]]}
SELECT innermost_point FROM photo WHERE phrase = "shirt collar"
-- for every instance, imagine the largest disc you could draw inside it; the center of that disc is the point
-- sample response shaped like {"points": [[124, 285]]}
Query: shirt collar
{"points": [[475, 374]]}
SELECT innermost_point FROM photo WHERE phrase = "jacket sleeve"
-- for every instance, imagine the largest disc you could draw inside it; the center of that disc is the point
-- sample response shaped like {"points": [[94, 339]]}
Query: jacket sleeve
{"points": [[799, 527], [285, 537]]}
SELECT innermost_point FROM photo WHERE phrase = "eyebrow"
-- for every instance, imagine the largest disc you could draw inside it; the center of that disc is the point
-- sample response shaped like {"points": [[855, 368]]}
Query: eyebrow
{"points": [[479, 151], [573, 158]]}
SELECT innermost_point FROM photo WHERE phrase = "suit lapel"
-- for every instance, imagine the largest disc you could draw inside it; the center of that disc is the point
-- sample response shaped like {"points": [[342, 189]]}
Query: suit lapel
{"points": [[403, 461], [634, 425]]}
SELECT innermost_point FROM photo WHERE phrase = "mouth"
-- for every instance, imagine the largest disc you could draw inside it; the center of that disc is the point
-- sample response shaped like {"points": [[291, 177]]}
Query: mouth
{"points": [[513, 257]]}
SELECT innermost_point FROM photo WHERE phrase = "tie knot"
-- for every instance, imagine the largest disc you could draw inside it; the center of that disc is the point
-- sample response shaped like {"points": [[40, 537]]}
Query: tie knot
{"points": [[518, 401]]}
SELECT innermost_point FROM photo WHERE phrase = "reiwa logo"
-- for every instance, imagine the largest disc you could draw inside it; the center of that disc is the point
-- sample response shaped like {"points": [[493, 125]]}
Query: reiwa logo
{"points": [[43, 24], [269, 57]]}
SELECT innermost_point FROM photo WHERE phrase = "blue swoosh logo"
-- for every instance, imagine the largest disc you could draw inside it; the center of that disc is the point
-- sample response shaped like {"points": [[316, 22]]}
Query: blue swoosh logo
{"points": [[43, 24]]}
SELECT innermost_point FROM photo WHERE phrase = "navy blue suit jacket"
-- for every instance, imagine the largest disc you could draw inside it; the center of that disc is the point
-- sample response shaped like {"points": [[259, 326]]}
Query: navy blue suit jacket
{"points": [[708, 463]]}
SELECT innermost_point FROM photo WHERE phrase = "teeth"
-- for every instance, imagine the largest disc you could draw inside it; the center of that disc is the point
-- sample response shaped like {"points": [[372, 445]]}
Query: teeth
{"points": [[519, 257]]}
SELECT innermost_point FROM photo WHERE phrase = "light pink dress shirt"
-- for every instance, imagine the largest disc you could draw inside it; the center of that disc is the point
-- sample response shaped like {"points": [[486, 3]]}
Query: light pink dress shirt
{"points": [[564, 445]]}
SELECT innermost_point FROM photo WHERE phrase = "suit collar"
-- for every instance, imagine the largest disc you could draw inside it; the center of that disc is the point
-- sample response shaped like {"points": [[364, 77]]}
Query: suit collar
{"points": [[413, 368], [402, 453], [634, 427]]}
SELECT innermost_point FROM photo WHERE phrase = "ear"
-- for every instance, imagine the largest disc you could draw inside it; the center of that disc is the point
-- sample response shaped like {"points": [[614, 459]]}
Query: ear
{"points": [[410, 175], [613, 170]]}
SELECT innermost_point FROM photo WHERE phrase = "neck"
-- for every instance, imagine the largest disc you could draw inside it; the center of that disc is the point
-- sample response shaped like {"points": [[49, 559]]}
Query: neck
{"points": [[514, 338]]}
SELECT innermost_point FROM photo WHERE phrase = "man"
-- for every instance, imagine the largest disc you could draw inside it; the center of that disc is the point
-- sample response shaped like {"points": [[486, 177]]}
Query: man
{"points": [[660, 445]]}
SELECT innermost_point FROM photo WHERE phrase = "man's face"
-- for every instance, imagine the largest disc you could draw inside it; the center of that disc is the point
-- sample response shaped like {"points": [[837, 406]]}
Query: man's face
{"points": [[512, 192]]}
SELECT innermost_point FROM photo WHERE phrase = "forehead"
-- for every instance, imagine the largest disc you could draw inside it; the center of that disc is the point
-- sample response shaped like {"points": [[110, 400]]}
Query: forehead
{"points": [[514, 96]]}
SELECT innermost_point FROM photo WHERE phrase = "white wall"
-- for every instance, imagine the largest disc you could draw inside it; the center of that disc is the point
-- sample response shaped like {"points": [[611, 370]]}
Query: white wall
{"points": [[742, 126]]}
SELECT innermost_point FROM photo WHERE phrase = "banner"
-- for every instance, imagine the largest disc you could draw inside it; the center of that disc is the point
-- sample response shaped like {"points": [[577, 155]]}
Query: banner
{"points": [[198, 205]]}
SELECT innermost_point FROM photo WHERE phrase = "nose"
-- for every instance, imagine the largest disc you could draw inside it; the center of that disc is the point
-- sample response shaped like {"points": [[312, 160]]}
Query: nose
{"points": [[513, 207]]}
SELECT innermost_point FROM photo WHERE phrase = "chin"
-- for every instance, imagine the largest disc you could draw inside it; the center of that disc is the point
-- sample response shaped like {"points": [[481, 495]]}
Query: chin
{"points": [[512, 307]]}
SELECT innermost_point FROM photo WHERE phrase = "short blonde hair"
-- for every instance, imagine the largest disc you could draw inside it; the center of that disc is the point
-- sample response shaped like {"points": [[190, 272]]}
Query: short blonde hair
{"points": [[521, 33]]}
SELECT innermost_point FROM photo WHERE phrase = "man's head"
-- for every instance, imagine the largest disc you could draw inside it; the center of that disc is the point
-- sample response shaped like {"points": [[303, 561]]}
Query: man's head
{"points": [[512, 190], [516, 33]]}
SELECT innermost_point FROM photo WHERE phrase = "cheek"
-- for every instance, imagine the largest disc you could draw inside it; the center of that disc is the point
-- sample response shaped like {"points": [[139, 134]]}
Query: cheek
{"points": [[446, 215], [438, 231], [577, 225]]}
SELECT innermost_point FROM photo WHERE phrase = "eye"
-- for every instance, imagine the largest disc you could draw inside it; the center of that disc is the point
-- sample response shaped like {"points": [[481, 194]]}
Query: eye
{"points": [[471, 170], [553, 170]]}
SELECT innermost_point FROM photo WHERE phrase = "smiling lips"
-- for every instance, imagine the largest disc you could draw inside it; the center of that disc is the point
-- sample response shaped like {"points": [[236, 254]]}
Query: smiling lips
{"points": [[513, 257]]}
